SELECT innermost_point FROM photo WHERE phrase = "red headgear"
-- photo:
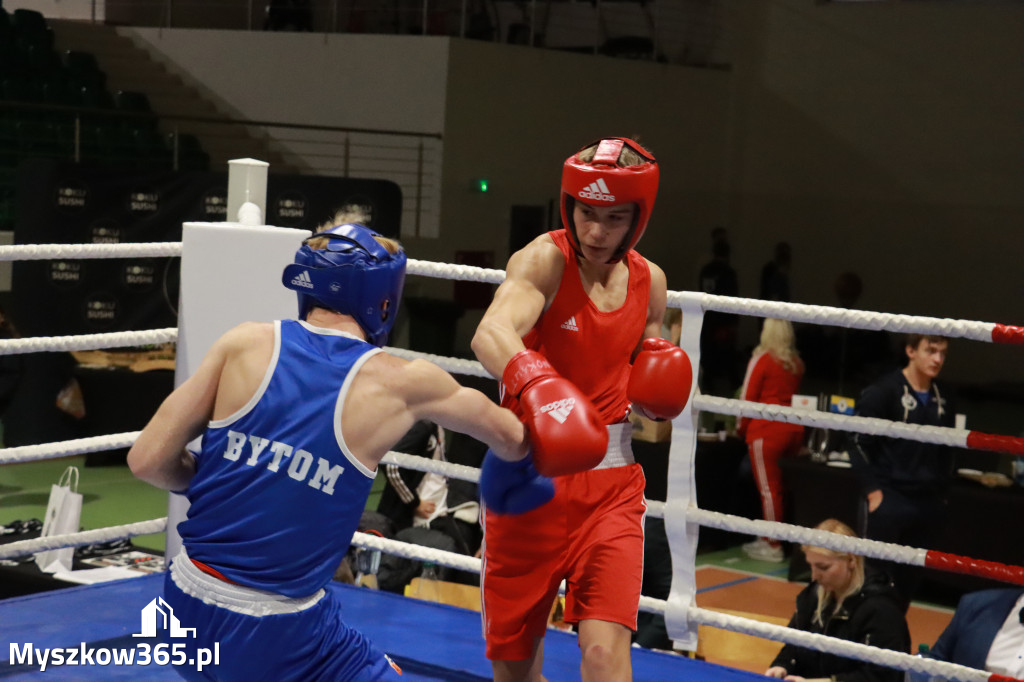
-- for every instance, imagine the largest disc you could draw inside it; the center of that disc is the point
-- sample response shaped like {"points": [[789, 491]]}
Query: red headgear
{"points": [[602, 181]]}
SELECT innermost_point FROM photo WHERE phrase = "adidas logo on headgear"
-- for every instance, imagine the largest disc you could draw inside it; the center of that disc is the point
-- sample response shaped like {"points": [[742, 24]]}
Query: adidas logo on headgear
{"points": [[597, 191], [303, 280]]}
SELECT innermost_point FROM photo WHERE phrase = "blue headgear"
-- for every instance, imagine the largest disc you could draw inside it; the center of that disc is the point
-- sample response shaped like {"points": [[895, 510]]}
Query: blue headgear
{"points": [[354, 275]]}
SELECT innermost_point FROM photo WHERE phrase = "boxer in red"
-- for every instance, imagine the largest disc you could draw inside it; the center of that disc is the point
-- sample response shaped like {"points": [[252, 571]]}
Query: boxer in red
{"points": [[573, 334]]}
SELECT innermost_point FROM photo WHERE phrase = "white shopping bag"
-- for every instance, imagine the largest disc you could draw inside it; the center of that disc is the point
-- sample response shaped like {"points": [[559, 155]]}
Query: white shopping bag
{"points": [[63, 514]]}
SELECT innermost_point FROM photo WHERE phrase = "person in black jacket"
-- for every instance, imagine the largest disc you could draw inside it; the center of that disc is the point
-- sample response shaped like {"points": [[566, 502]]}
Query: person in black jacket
{"points": [[400, 500], [431, 509], [905, 482], [845, 602]]}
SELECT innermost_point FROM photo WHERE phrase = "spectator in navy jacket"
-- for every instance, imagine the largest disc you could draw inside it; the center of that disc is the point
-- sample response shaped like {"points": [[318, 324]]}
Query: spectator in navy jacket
{"points": [[986, 633]]}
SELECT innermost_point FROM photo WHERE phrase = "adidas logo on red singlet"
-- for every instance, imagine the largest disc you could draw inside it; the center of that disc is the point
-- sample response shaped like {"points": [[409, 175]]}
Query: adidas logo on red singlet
{"points": [[597, 191], [570, 324], [560, 409]]}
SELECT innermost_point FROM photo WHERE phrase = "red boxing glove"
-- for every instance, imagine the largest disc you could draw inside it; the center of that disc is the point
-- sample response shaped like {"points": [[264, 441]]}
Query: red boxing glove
{"points": [[566, 431], [660, 381]]}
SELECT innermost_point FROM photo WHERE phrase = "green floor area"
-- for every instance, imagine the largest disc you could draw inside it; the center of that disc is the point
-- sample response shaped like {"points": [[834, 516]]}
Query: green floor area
{"points": [[735, 558], [111, 496]]}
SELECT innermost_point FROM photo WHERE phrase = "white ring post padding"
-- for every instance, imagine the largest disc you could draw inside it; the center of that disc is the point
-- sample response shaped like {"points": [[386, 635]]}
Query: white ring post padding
{"points": [[682, 493], [230, 273]]}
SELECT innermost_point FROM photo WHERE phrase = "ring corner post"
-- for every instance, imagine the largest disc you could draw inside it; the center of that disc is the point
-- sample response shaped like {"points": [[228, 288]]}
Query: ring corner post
{"points": [[247, 287], [247, 183], [682, 493]]}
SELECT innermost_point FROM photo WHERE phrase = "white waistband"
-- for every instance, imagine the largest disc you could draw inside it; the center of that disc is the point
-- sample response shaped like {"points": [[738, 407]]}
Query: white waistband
{"points": [[620, 447], [238, 598]]}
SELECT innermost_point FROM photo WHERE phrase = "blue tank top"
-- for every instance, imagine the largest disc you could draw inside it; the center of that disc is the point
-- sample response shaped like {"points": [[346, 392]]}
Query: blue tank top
{"points": [[277, 493]]}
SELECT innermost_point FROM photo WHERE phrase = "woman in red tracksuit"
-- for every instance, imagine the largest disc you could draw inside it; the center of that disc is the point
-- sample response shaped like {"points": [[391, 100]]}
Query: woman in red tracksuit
{"points": [[773, 376]]}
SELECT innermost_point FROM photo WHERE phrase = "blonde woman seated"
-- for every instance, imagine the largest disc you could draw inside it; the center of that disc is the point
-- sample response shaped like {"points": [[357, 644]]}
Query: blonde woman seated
{"points": [[843, 602]]}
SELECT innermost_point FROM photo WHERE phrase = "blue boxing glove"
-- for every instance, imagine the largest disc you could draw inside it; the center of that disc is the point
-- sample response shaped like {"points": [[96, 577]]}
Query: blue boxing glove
{"points": [[513, 487]]}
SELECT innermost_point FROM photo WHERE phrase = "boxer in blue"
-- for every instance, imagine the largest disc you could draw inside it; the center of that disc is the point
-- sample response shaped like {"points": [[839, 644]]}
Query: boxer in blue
{"points": [[295, 416]]}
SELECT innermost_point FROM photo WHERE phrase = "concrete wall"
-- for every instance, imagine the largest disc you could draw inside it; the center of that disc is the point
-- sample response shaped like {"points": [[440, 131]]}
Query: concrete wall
{"points": [[508, 113], [61, 9], [882, 138], [346, 80], [885, 138], [514, 115]]}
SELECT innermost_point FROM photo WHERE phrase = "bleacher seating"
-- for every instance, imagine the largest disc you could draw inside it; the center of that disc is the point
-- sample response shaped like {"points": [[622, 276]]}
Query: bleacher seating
{"points": [[30, 26], [58, 105], [190, 152]]}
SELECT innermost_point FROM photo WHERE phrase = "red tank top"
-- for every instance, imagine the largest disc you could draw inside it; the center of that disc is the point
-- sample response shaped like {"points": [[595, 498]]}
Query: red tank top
{"points": [[768, 381], [589, 347]]}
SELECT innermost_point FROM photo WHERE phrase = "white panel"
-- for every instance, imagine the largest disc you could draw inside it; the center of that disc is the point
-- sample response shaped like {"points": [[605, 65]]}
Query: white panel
{"points": [[229, 274]]}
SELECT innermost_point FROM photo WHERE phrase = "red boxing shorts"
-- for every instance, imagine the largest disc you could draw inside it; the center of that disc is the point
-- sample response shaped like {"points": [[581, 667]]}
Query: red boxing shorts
{"points": [[591, 534]]}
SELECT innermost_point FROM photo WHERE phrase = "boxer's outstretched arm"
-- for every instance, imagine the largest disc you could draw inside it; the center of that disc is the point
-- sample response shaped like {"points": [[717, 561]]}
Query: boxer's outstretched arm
{"points": [[531, 281], [433, 394], [390, 394]]}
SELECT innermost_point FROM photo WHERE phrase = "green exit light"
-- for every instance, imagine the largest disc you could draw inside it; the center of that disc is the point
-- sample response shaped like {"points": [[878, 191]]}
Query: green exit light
{"points": [[480, 185]]}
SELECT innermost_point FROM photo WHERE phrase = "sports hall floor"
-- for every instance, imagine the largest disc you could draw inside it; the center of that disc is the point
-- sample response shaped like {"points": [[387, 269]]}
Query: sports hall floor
{"points": [[726, 579]]}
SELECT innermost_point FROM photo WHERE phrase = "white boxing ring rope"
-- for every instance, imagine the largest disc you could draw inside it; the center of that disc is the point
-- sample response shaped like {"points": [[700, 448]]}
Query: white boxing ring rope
{"points": [[858, 319], [689, 302]]}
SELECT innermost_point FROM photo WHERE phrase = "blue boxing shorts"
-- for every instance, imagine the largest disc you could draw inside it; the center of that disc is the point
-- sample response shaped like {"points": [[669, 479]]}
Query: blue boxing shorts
{"points": [[259, 635]]}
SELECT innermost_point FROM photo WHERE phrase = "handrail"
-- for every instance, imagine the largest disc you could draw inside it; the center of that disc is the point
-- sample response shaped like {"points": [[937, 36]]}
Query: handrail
{"points": [[412, 161], [226, 120]]}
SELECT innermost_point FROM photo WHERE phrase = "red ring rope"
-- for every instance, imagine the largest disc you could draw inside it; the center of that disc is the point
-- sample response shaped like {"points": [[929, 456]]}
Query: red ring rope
{"points": [[983, 569], [1011, 445], [1006, 333]]}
